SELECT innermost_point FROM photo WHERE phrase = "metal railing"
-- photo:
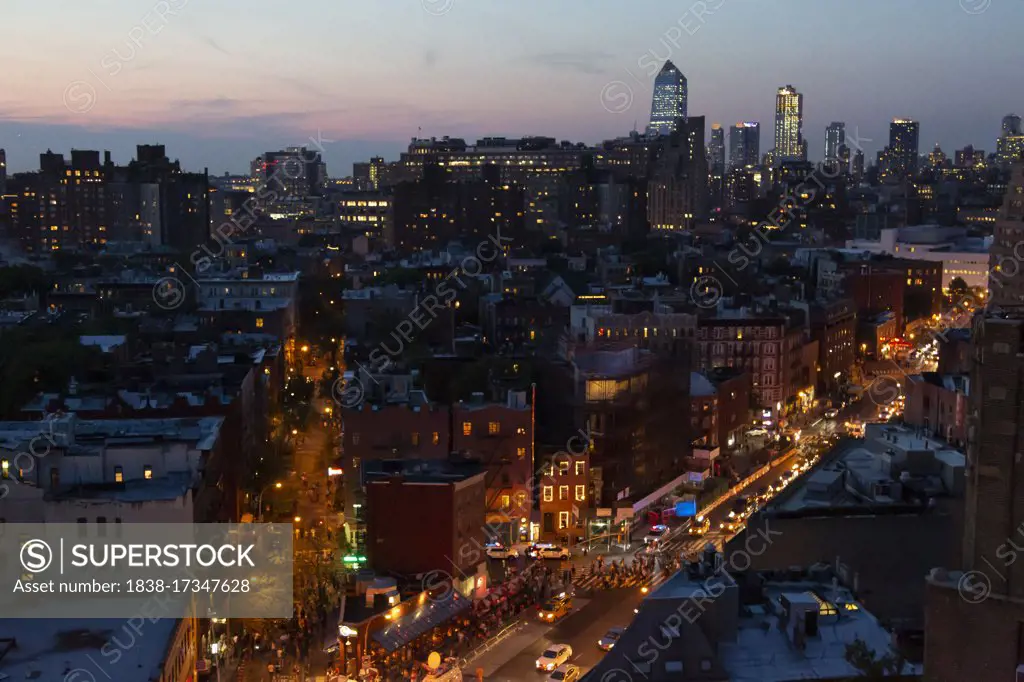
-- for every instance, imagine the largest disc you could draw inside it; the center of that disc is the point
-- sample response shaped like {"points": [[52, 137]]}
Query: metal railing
{"points": [[492, 642]]}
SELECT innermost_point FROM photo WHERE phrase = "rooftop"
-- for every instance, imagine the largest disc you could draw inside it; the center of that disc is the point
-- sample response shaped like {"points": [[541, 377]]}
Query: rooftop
{"points": [[52, 649], [438, 471]]}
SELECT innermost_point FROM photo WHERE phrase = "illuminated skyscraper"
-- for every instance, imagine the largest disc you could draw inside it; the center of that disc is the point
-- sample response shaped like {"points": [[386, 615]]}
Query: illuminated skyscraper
{"points": [[744, 144], [835, 138], [716, 162], [3, 171], [669, 101], [901, 154], [1010, 145], [789, 121]]}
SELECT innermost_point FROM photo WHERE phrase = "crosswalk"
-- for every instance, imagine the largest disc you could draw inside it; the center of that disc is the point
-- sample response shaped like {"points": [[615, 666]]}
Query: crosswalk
{"points": [[678, 545]]}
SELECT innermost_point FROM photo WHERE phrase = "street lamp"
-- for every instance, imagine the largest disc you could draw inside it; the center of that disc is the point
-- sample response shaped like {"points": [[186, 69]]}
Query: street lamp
{"points": [[259, 499]]}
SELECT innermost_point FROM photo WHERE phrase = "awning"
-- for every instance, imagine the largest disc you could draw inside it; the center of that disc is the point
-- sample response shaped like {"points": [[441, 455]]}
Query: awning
{"points": [[419, 622]]}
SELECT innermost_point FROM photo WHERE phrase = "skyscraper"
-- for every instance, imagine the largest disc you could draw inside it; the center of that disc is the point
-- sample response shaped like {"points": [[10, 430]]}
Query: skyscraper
{"points": [[744, 144], [835, 137], [901, 154], [678, 189], [789, 121], [3, 171], [1010, 145], [668, 103], [716, 163], [1011, 125]]}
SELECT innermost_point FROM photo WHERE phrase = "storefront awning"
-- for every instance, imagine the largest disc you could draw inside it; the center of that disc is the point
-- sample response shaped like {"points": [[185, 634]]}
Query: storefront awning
{"points": [[424, 619]]}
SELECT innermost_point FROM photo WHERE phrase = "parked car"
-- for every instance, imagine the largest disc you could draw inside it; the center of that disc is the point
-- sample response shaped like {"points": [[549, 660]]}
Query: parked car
{"points": [[553, 657]]}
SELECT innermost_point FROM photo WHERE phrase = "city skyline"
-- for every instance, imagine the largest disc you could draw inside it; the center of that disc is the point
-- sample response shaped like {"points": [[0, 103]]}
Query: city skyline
{"points": [[231, 100]]}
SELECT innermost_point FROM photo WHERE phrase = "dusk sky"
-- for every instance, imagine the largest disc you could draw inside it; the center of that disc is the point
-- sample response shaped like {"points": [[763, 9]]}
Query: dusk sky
{"points": [[220, 81]]}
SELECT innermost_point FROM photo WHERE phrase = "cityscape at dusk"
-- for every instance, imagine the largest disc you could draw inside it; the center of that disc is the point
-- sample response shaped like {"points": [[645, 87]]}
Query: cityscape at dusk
{"points": [[440, 340]]}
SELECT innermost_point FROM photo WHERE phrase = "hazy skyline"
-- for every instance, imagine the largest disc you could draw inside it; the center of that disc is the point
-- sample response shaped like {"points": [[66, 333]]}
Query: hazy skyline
{"points": [[218, 83]]}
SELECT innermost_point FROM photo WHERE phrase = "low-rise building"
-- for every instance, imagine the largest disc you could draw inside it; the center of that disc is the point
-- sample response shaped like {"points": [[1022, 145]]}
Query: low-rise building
{"points": [[711, 622], [937, 405]]}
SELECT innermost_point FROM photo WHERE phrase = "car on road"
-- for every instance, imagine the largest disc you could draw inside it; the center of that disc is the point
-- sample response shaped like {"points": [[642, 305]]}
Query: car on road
{"points": [[565, 673], [555, 608], [832, 413], [610, 638], [553, 657], [496, 550], [655, 534], [700, 526], [546, 550]]}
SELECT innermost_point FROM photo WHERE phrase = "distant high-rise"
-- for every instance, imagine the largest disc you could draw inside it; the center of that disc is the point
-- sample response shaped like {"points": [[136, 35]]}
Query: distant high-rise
{"points": [[3, 171], [835, 137], [1010, 145], [716, 163], [668, 103], [789, 121], [678, 189], [1011, 125], [745, 144], [901, 156], [858, 165], [716, 147]]}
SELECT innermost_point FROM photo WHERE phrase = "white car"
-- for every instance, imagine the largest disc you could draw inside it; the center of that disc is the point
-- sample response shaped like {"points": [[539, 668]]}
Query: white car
{"points": [[551, 552], [831, 414], [655, 534], [565, 673], [554, 656], [610, 638], [496, 551]]}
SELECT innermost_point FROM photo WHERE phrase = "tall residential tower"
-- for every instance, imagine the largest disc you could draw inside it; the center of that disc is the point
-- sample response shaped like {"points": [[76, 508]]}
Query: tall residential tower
{"points": [[745, 144], [789, 121]]}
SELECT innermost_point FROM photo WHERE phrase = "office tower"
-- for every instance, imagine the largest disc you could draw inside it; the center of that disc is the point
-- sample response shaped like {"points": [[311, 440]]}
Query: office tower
{"points": [[789, 121], [3, 172], [1010, 145], [1011, 125], [668, 104], [296, 172], [678, 189], [835, 137], [901, 159], [937, 157], [745, 144]]}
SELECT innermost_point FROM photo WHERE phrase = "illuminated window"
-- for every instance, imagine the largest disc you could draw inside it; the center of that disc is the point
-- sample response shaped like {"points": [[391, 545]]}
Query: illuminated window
{"points": [[467, 428], [563, 520], [506, 502], [581, 493], [5, 468], [548, 493], [118, 475], [415, 439], [493, 428], [521, 431], [435, 438], [563, 467], [147, 472], [259, 323], [563, 492], [580, 467], [520, 452]]}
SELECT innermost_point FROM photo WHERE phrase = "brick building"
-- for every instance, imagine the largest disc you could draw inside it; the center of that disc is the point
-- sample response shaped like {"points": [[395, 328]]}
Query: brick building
{"points": [[834, 327], [565, 496], [937, 404], [425, 515], [500, 436]]}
